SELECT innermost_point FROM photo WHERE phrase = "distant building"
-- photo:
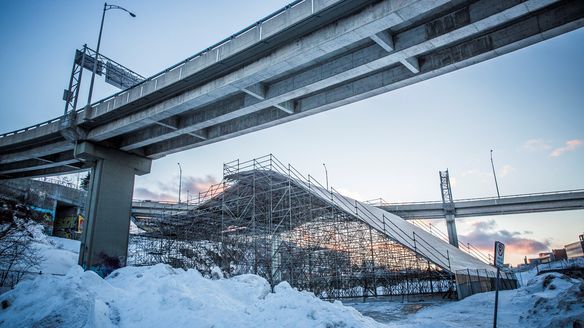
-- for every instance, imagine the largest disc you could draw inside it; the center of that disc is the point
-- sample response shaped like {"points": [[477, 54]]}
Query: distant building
{"points": [[576, 249], [559, 254], [546, 257], [534, 261]]}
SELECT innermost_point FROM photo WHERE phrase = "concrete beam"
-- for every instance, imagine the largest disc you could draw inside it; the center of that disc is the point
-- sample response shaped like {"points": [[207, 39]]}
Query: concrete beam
{"points": [[412, 64], [507, 38], [349, 66], [46, 172], [286, 107], [91, 152], [40, 151], [257, 90], [384, 39], [39, 163]]}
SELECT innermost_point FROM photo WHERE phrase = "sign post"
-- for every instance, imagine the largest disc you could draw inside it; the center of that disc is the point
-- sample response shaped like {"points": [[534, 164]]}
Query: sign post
{"points": [[499, 260]]}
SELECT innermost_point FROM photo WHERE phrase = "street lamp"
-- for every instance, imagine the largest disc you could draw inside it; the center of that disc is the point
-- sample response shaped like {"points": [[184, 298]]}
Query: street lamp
{"points": [[106, 7], [495, 175], [326, 174], [179, 181]]}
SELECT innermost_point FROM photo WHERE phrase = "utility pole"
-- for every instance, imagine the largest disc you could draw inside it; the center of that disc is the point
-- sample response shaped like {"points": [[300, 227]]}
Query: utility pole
{"points": [[179, 181], [495, 175]]}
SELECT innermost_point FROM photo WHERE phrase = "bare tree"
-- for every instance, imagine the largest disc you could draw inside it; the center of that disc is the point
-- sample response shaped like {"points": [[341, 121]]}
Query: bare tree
{"points": [[18, 255]]}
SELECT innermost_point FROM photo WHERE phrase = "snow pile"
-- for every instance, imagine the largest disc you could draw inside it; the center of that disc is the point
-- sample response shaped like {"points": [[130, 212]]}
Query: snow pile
{"points": [[548, 300], [556, 301], [160, 296], [524, 276]]}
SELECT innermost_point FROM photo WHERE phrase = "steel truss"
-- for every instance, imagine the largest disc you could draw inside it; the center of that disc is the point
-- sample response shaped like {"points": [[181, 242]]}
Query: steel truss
{"points": [[266, 218]]}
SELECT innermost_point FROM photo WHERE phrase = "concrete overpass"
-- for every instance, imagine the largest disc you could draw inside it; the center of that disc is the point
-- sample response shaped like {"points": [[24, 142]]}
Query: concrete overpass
{"points": [[148, 208], [475, 207], [311, 56]]}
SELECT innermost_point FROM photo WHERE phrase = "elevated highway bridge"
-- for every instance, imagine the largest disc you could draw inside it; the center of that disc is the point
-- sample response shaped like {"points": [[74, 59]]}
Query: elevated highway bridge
{"points": [[477, 207], [464, 208], [309, 57]]}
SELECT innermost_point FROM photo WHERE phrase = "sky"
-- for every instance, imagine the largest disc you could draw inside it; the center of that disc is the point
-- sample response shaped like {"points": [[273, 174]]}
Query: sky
{"points": [[526, 106]]}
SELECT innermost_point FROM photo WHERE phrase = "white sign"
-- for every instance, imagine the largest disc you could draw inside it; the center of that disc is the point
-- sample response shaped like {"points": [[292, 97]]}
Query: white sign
{"points": [[499, 254]]}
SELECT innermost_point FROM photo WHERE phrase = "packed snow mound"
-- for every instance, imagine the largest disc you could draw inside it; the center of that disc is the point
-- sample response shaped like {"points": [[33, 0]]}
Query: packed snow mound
{"points": [[557, 301], [548, 300], [160, 296]]}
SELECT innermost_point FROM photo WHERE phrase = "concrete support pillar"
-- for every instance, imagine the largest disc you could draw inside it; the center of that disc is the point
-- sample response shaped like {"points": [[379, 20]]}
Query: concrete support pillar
{"points": [[104, 244], [451, 227]]}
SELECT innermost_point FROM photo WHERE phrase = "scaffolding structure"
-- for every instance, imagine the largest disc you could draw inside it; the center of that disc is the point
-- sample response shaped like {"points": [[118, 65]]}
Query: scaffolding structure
{"points": [[268, 219]]}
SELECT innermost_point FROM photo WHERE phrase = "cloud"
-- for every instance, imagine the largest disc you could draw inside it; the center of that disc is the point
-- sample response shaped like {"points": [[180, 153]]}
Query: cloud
{"points": [[147, 194], [570, 145], [168, 190], [483, 235], [453, 181], [536, 145], [474, 172], [346, 192], [506, 170]]}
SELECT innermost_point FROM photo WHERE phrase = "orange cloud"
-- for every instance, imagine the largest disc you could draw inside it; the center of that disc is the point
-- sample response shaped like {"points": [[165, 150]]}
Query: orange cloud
{"points": [[570, 145], [483, 235], [168, 190]]}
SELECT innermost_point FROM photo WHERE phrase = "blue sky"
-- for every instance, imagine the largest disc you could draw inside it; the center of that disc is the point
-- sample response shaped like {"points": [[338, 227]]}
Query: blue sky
{"points": [[527, 106]]}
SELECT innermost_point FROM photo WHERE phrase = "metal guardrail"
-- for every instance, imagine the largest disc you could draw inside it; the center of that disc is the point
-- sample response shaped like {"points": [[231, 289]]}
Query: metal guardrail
{"points": [[175, 66]]}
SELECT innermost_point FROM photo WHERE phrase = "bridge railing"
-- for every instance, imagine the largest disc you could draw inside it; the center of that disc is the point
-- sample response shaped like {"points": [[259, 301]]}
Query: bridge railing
{"points": [[31, 127], [382, 202]]}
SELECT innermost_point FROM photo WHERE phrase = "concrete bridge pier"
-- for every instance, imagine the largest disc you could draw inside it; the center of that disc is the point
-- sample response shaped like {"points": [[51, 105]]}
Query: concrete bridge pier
{"points": [[104, 244], [451, 228]]}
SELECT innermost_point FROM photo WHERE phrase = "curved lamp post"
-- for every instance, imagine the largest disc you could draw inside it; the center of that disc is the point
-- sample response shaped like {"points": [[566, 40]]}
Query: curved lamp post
{"points": [[106, 7], [326, 174], [495, 175]]}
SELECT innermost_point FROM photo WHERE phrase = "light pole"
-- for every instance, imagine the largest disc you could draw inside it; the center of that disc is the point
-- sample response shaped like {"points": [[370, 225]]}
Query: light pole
{"points": [[106, 7], [326, 174], [495, 175], [179, 181]]}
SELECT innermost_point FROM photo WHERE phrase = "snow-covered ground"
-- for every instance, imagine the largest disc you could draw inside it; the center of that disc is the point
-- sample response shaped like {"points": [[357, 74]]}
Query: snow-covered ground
{"points": [[550, 300], [160, 296]]}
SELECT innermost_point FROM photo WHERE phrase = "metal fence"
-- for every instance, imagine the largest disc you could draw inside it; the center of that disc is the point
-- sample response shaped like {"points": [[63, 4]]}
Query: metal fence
{"points": [[470, 282]]}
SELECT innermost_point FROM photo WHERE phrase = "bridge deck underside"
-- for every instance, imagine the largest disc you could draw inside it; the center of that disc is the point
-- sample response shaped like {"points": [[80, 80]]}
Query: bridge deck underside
{"points": [[370, 48]]}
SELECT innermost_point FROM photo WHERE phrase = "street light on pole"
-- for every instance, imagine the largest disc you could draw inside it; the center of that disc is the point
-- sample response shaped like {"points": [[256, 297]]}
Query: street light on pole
{"points": [[179, 181], [495, 175], [326, 174], [106, 7]]}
